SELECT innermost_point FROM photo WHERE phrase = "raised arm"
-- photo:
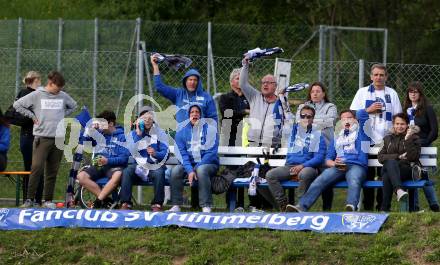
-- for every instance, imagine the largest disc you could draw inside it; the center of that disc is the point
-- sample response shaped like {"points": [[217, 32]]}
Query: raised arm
{"points": [[167, 91], [249, 92]]}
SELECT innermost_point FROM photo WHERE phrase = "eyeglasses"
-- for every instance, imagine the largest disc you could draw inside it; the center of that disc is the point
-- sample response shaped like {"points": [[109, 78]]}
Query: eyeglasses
{"points": [[414, 92], [304, 116], [268, 83]]}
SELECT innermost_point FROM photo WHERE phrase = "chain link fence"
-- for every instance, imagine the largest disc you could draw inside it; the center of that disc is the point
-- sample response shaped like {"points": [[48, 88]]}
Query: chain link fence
{"points": [[99, 61]]}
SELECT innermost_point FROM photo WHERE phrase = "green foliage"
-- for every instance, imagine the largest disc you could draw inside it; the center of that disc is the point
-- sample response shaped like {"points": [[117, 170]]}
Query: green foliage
{"points": [[174, 245]]}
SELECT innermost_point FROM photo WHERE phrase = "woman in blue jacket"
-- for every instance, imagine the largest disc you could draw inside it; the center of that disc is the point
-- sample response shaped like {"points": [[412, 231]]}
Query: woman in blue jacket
{"points": [[4, 141]]}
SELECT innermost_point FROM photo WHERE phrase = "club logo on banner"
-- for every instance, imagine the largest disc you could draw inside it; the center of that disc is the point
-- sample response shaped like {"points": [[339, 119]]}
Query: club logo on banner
{"points": [[34, 219]]}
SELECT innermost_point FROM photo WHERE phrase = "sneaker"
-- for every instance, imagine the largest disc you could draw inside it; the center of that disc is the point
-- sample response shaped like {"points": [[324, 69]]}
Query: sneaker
{"points": [[126, 206], [401, 195], [108, 203], [206, 209], [156, 208], [254, 209], [28, 204], [239, 210], [349, 208], [434, 207], [294, 208], [49, 205], [175, 208]]}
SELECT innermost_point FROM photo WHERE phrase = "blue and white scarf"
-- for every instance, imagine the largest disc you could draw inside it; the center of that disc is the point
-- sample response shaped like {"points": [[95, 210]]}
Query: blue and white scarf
{"points": [[411, 115]]}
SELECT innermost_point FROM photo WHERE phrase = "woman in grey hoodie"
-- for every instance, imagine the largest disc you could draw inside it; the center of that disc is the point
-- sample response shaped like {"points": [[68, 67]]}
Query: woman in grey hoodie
{"points": [[325, 112]]}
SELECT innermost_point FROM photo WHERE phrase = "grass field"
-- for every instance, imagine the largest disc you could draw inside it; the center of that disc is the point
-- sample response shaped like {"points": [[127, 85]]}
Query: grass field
{"points": [[404, 239]]}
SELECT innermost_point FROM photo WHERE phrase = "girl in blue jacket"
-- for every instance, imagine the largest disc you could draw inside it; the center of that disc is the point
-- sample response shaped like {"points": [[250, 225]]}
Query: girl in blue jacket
{"points": [[4, 141]]}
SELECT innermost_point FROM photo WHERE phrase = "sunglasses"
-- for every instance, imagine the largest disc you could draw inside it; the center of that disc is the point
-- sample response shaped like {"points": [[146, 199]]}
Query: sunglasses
{"points": [[304, 116]]}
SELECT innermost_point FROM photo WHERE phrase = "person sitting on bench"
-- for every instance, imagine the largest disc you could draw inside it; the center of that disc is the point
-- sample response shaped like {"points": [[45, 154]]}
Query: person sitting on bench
{"points": [[150, 151], [347, 158], [110, 159], [400, 151]]}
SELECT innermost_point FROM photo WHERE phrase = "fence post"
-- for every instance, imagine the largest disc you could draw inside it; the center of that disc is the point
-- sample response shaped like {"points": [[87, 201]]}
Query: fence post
{"points": [[18, 56], [139, 83], [60, 42], [208, 66], [95, 66], [147, 71], [322, 29], [361, 72], [385, 47]]}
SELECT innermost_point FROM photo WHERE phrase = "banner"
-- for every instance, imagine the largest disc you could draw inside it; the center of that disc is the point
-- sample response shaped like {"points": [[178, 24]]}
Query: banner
{"points": [[34, 219]]}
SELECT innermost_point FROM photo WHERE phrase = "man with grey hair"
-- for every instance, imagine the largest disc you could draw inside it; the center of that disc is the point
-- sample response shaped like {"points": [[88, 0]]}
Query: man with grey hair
{"points": [[263, 130], [233, 106]]}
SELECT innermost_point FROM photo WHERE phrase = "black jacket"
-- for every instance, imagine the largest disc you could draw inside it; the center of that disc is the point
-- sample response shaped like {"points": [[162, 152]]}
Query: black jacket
{"points": [[394, 145], [428, 126], [28, 126], [238, 105]]}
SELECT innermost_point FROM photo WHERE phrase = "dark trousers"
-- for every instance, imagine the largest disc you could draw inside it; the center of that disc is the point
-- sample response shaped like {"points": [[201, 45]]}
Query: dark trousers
{"points": [[393, 173], [46, 159], [26, 141], [369, 193], [3, 162]]}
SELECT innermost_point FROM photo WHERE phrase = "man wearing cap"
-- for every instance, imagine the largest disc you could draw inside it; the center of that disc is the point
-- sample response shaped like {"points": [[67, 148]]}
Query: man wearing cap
{"points": [[149, 150]]}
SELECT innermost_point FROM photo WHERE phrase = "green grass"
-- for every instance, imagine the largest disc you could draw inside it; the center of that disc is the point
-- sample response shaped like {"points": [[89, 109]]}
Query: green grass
{"points": [[404, 239]]}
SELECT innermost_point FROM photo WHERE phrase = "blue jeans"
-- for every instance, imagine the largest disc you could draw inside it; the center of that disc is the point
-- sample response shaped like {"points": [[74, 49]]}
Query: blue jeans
{"points": [[204, 174], [129, 178], [355, 176]]}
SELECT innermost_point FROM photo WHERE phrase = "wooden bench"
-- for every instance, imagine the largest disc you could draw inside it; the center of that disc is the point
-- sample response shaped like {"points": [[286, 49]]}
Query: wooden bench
{"points": [[18, 175]]}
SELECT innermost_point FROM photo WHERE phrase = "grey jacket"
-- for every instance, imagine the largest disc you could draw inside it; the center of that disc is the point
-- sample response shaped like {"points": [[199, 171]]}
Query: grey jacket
{"points": [[263, 128], [47, 108]]}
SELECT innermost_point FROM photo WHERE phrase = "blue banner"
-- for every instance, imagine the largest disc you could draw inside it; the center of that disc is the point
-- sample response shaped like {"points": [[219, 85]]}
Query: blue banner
{"points": [[34, 219]]}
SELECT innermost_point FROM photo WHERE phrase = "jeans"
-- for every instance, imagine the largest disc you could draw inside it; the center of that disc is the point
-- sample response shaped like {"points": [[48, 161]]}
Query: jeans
{"points": [[276, 175], [204, 174], [129, 178], [393, 173], [355, 176]]}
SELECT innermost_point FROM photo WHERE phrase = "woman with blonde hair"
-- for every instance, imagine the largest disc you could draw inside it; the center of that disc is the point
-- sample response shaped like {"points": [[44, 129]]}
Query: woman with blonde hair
{"points": [[32, 81]]}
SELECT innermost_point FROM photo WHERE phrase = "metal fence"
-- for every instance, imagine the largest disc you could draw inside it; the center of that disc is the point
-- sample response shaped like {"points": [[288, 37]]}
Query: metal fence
{"points": [[113, 82]]}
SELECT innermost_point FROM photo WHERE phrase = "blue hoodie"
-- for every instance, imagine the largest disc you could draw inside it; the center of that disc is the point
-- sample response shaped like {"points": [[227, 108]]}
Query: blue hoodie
{"points": [[191, 159], [182, 98], [356, 156], [116, 154], [299, 152], [4, 139], [160, 147]]}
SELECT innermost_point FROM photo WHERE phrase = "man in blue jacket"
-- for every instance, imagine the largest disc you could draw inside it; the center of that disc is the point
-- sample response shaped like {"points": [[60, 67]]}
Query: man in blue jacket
{"points": [[197, 146], [111, 158], [306, 151], [147, 145], [191, 93], [346, 159]]}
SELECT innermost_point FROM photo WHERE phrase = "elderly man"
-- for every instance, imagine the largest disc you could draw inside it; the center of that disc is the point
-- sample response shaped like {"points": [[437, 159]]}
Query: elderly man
{"points": [[263, 130]]}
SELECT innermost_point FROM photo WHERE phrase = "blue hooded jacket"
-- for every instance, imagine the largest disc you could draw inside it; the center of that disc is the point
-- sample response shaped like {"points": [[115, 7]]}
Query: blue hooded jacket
{"points": [[4, 139], [160, 147], [116, 154], [357, 156], [308, 154], [182, 98], [194, 155]]}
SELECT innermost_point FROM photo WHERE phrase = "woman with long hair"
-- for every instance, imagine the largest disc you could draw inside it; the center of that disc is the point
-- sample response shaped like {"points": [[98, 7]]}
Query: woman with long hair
{"points": [[422, 114]]}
